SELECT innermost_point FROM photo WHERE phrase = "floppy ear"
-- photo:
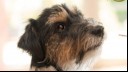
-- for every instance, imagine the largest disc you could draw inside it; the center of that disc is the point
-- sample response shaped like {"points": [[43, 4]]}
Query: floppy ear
{"points": [[29, 41]]}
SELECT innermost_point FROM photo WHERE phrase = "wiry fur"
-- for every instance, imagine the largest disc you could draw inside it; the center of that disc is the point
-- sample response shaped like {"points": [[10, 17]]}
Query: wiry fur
{"points": [[61, 39]]}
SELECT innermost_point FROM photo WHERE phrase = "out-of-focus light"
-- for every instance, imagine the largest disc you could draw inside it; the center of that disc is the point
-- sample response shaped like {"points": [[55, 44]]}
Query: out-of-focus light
{"points": [[13, 56]]}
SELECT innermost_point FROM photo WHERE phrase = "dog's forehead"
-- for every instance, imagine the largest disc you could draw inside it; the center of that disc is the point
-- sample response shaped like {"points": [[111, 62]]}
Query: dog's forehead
{"points": [[59, 14]]}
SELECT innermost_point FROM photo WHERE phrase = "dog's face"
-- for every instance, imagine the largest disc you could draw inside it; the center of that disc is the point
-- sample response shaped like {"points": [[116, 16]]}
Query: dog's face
{"points": [[61, 35]]}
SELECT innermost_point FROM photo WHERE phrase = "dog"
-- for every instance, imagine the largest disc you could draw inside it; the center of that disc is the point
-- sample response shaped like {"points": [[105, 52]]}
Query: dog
{"points": [[61, 39]]}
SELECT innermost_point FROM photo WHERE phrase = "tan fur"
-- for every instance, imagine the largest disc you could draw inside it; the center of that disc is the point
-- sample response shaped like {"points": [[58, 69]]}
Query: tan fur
{"points": [[63, 52], [57, 16]]}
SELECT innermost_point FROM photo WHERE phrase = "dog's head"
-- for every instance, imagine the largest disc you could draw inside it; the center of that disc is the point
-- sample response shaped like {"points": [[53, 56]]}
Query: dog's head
{"points": [[61, 35]]}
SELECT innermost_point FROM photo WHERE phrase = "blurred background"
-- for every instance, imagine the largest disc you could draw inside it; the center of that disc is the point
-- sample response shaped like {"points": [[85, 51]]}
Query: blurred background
{"points": [[14, 15]]}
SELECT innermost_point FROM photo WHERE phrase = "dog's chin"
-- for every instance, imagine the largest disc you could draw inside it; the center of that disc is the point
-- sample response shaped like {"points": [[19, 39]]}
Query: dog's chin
{"points": [[86, 63]]}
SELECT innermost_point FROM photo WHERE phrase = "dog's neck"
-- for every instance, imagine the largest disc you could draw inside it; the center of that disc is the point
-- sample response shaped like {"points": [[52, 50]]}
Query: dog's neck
{"points": [[85, 65], [72, 66]]}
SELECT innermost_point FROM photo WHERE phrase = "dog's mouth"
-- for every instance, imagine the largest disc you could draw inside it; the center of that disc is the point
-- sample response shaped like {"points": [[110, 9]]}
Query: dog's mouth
{"points": [[90, 39], [90, 44]]}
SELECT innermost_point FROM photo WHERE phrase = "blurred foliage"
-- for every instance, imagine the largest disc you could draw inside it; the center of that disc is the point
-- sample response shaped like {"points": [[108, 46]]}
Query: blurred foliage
{"points": [[122, 15], [119, 0], [120, 7]]}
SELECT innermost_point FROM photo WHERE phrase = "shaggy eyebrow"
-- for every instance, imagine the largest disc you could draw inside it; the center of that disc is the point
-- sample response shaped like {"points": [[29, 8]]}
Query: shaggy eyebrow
{"points": [[57, 16]]}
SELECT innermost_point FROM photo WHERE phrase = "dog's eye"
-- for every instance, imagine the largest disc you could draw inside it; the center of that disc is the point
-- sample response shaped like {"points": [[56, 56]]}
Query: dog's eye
{"points": [[61, 27]]}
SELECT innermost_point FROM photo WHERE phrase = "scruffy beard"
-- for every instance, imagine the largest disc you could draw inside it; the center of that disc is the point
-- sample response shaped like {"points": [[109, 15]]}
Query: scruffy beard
{"points": [[73, 55], [86, 64]]}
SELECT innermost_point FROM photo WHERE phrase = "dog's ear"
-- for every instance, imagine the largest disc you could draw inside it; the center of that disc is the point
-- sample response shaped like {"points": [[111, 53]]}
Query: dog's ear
{"points": [[29, 41]]}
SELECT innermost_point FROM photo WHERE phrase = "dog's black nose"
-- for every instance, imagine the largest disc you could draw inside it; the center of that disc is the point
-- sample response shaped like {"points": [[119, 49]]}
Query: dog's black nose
{"points": [[98, 30]]}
